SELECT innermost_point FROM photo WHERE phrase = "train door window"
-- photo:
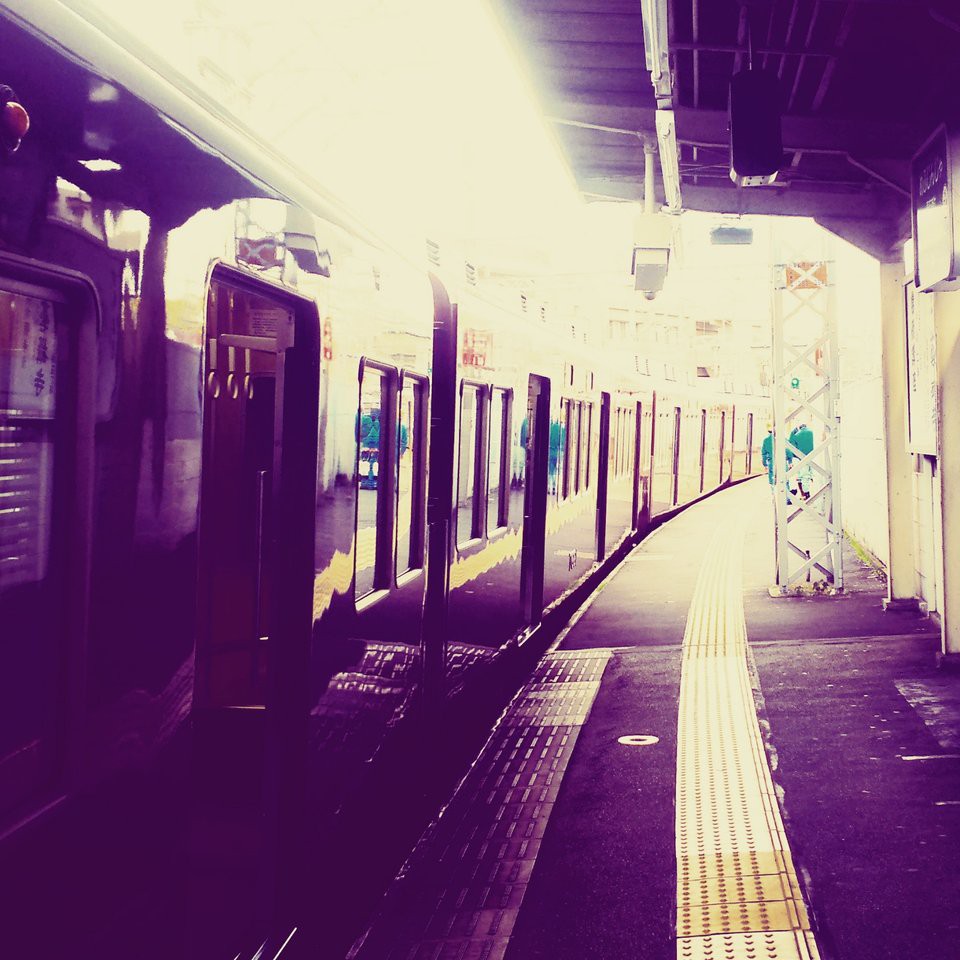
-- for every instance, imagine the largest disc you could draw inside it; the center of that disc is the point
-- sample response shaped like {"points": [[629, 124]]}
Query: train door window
{"points": [[411, 473], [36, 364], [373, 476], [469, 481], [243, 405], [498, 477]]}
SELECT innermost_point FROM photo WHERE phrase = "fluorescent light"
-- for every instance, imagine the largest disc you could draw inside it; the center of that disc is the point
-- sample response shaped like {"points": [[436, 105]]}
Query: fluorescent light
{"points": [[669, 158], [100, 165]]}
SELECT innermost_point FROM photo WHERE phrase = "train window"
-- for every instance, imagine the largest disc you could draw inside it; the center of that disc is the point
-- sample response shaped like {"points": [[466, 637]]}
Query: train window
{"points": [[614, 442], [703, 446], [34, 468], [723, 444], [556, 462], [677, 427], [372, 480], [469, 464], [624, 441], [586, 429], [573, 449], [410, 474], [498, 477]]}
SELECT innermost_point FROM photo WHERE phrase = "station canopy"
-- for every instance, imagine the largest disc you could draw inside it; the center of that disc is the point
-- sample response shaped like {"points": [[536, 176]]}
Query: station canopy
{"points": [[862, 84]]}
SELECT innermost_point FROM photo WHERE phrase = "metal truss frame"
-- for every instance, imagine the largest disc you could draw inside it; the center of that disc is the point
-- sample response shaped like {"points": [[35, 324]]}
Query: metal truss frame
{"points": [[805, 348]]}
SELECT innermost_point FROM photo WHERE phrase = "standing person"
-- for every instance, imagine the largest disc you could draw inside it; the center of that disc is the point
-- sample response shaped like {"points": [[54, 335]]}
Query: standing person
{"points": [[768, 459], [801, 437], [766, 453]]}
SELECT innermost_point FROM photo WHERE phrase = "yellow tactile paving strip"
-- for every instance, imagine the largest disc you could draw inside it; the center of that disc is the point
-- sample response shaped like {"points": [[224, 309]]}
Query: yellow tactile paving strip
{"points": [[738, 897]]}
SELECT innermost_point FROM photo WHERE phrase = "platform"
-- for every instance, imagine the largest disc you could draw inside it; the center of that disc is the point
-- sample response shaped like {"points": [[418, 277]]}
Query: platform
{"points": [[697, 770]]}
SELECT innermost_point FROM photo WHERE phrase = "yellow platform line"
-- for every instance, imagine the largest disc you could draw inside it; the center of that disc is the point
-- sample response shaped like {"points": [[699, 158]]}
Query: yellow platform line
{"points": [[738, 895]]}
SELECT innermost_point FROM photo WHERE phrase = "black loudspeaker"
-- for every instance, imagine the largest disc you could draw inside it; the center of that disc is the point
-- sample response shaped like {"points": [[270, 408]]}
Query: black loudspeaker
{"points": [[756, 144]]}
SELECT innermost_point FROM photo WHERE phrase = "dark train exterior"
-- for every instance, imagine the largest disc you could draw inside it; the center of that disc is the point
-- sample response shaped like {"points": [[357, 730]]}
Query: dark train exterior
{"points": [[273, 503]]}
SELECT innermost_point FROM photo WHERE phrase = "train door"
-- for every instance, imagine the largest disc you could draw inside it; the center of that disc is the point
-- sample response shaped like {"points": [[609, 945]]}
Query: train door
{"points": [[243, 414], [256, 574], [535, 498], [603, 469]]}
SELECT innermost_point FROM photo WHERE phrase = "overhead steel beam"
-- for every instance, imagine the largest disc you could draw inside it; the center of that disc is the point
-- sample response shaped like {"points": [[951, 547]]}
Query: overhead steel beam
{"points": [[795, 201], [588, 54], [741, 49], [863, 139]]}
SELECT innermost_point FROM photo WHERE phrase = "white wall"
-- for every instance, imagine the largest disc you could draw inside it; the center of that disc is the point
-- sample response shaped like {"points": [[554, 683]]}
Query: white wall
{"points": [[863, 452]]}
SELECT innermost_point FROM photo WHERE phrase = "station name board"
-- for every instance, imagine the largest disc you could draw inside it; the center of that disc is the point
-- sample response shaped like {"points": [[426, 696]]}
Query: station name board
{"points": [[935, 233]]}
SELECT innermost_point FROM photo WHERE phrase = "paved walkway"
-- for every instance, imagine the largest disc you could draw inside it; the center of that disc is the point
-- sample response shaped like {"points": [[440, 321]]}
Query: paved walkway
{"points": [[700, 771]]}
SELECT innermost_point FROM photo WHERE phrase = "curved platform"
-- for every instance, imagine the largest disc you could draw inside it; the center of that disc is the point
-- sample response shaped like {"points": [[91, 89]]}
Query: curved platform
{"points": [[697, 770]]}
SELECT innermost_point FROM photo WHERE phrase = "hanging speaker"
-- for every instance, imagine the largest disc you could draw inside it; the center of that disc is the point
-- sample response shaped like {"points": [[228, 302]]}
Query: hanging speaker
{"points": [[756, 144]]}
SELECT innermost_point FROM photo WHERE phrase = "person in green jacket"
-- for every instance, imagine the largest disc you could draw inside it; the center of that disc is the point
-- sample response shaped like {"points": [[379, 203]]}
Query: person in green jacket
{"points": [[801, 437], [766, 452], [767, 458]]}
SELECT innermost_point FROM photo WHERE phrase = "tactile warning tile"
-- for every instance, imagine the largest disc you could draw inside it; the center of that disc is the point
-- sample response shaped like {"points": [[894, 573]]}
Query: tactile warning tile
{"points": [[750, 946], [738, 895], [460, 893]]}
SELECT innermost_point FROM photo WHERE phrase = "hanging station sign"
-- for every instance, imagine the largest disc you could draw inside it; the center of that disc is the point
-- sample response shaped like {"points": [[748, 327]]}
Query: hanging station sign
{"points": [[934, 211]]}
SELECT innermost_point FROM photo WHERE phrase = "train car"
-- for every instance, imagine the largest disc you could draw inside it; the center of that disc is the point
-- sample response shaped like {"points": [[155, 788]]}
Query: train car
{"points": [[273, 502]]}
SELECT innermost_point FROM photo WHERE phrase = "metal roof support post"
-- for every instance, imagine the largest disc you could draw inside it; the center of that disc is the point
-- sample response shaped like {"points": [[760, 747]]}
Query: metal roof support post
{"points": [[649, 187], [806, 489]]}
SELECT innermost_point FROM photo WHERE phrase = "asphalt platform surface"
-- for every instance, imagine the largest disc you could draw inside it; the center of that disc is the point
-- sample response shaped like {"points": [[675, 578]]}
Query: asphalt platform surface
{"points": [[862, 735]]}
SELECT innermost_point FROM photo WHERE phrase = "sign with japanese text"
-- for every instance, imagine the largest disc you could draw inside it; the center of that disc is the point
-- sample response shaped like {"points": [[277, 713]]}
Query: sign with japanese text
{"points": [[477, 347], [28, 348], [932, 208], [922, 380]]}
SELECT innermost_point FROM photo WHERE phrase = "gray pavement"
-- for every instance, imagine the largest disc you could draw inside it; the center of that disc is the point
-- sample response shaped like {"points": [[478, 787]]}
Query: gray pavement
{"points": [[862, 736]]}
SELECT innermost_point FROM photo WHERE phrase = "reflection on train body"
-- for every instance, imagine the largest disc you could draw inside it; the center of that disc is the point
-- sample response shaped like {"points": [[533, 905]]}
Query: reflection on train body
{"points": [[225, 615]]}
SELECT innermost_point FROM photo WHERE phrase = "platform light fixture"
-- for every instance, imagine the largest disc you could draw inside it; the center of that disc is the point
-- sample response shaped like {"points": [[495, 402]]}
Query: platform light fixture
{"points": [[669, 158]]}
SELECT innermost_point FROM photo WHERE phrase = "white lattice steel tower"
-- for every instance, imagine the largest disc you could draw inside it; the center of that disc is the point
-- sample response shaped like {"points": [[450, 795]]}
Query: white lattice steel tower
{"points": [[806, 489]]}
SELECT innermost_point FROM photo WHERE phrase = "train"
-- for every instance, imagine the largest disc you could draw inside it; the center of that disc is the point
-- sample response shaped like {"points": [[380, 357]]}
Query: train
{"points": [[276, 504]]}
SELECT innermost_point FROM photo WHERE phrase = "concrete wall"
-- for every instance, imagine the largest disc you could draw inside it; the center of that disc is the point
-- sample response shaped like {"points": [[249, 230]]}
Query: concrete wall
{"points": [[862, 443], [947, 314]]}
